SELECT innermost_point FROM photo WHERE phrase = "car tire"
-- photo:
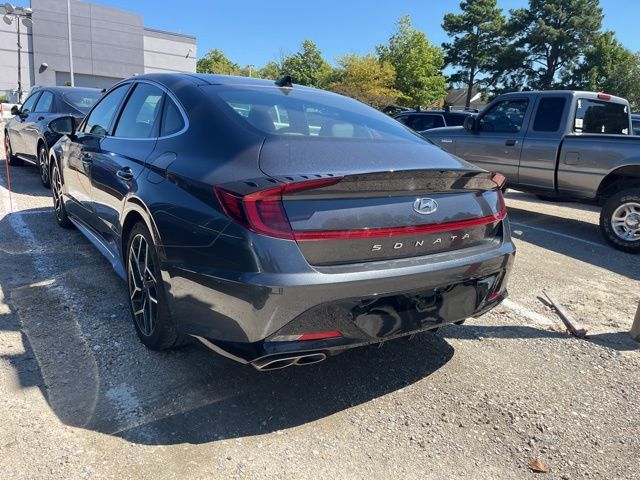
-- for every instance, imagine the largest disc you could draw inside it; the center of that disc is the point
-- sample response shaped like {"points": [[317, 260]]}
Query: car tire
{"points": [[43, 165], [9, 156], [620, 220], [59, 209], [147, 296]]}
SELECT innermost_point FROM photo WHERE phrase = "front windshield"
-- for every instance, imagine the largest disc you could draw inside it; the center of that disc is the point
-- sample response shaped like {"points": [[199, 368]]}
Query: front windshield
{"points": [[310, 113]]}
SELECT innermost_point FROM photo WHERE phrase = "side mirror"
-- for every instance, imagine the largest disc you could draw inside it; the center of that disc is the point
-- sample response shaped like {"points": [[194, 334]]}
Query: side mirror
{"points": [[470, 123], [63, 125], [15, 110]]}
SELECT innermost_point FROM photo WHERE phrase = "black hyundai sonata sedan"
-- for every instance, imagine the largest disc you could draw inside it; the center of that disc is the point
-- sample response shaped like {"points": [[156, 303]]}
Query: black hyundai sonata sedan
{"points": [[276, 223]]}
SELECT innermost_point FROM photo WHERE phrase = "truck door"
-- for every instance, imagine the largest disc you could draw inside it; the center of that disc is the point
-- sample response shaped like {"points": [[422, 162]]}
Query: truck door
{"points": [[539, 157], [497, 142]]}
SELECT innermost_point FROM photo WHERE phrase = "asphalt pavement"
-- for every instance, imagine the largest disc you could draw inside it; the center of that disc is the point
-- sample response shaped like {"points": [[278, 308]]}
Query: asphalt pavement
{"points": [[82, 398]]}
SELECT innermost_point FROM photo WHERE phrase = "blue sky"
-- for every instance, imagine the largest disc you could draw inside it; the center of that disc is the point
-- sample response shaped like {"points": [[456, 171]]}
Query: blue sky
{"points": [[256, 31]]}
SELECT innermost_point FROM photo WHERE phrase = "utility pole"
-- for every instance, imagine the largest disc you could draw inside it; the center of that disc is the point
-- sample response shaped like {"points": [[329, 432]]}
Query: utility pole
{"points": [[70, 45], [19, 65]]}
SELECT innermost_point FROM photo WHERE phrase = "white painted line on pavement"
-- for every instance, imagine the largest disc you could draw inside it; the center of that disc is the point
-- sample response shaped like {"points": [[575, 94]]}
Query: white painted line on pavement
{"points": [[535, 317], [564, 235]]}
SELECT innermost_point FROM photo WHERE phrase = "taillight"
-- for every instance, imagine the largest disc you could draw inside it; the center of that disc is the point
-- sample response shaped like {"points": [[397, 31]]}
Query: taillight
{"points": [[262, 211], [604, 96]]}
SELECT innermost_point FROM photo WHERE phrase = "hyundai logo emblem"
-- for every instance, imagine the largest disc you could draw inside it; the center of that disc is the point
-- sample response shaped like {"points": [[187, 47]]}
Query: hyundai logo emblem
{"points": [[425, 206]]}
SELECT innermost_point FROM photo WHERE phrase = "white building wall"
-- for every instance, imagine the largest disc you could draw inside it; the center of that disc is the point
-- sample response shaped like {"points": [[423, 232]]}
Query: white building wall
{"points": [[9, 57], [168, 52]]}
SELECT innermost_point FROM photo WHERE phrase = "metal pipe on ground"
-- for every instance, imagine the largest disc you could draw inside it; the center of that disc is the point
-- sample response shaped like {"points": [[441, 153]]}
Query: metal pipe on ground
{"points": [[635, 328]]}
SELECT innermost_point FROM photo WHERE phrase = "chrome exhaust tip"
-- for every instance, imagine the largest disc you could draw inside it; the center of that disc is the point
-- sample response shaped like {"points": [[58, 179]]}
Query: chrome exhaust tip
{"points": [[277, 363]]}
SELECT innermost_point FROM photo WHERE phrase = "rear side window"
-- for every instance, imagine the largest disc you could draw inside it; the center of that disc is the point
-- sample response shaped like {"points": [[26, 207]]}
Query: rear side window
{"points": [[172, 121], [100, 118], [549, 114], [141, 114], [596, 116], [635, 125], [506, 116], [423, 122], [45, 103]]}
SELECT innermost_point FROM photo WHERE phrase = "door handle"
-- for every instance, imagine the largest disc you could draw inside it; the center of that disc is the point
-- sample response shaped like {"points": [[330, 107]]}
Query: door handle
{"points": [[125, 174], [511, 142]]}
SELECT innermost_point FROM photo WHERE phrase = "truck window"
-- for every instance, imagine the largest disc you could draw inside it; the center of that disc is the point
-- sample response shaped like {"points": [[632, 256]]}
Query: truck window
{"points": [[549, 114], [423, 122], [596, 116], [505, 116]]}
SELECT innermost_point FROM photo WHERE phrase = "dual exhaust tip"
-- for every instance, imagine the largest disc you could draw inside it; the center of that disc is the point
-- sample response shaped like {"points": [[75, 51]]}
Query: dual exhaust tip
{"points": [[279, 362]]}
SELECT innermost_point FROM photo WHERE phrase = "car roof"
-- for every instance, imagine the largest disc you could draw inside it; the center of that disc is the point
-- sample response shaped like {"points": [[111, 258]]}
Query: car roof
{"points": [[65, 89], [168, 79]]}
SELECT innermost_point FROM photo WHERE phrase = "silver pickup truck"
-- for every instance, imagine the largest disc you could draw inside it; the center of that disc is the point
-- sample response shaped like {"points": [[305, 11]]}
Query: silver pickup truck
{"points": [[562, 144]]}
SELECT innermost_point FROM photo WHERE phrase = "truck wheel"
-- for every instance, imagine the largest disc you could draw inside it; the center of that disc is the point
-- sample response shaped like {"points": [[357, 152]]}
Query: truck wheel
{"points": [[620, 220]]}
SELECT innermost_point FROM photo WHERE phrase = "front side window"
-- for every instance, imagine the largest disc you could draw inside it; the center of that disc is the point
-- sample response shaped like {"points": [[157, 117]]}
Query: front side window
{"points": [[506, 116], [308, 113], [101, 117], [549, 114], [45, 103], [596, 116], [140, 116], [30, 103]]}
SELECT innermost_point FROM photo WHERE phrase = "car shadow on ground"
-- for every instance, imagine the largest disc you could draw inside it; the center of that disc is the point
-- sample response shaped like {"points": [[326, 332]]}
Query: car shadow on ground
{"points": [[619, 341], [564, 203], [25, 180], [525, 224], [78, 346]]}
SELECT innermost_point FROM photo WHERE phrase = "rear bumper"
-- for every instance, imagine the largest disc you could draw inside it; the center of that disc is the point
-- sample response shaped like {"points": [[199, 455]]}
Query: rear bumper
{"points": [[244, 315]]}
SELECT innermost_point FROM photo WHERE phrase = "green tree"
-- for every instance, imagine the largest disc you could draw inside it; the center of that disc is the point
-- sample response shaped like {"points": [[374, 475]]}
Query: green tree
{"points": [[477, 33], [609, 67], [367, 79], [215, 61], [307, 67], [272, 70], [418, 65], [553, 34]]}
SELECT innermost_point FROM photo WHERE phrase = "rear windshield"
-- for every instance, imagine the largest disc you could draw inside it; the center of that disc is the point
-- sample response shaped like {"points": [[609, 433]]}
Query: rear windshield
{"points": [[83, 101], [310, 113], [595, 116]]}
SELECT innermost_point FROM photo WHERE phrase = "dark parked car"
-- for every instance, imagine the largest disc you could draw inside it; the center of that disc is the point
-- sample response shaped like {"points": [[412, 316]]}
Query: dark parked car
{"points": [[27, 136], [277, 224], [428, 119]]}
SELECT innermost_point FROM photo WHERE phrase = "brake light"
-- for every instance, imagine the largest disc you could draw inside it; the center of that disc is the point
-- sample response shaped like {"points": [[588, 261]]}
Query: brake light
{"points": [[262, 211], [604, 96]]}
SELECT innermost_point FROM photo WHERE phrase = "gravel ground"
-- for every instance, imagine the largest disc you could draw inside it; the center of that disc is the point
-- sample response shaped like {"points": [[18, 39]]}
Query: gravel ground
{"points": [[82, 398]]}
